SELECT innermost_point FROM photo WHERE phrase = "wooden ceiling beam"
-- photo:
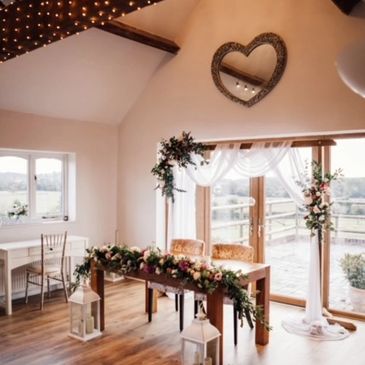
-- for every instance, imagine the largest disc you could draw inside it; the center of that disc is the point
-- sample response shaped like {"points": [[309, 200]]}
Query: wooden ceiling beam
{"points": [[138, 35], [26, 25], [346, 6], [240, 75]]}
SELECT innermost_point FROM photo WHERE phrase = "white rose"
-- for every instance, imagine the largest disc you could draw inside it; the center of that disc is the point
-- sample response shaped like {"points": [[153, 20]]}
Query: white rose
{"points": [[318, 193], [316, 210], [196, 275]]}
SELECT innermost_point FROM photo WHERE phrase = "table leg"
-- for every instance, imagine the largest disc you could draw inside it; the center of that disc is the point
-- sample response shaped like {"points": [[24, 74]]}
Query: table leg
{"points": [[154, 301], [262, 298], [8, 285], [215, 315], [97, 284]]}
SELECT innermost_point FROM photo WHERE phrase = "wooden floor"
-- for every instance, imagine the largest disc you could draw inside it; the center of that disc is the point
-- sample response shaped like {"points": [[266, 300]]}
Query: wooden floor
{"points": [[31, 337]]}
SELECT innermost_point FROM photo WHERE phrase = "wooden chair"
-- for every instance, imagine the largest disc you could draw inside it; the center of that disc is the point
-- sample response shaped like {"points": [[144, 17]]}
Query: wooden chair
{"points": [[236, 252], [51, 266], [185, 247]]}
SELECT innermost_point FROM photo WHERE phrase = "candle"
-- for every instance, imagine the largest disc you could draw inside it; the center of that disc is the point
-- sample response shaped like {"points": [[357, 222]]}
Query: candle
{"points": [[196, 358], [90, 324], [208, 361]]}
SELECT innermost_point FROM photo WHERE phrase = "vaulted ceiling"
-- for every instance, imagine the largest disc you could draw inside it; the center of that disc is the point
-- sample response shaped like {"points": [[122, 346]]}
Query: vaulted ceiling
{"points": [[96, 72], [94, 76]]}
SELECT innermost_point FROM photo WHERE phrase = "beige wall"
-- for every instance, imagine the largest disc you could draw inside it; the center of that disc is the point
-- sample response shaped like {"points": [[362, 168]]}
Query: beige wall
{"points": [[310, 98], [95, 146]]}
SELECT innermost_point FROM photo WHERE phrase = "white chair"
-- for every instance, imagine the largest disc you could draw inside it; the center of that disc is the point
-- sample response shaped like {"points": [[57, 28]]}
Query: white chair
{"points": [[185, 247], [236, 252], [51, 266]]}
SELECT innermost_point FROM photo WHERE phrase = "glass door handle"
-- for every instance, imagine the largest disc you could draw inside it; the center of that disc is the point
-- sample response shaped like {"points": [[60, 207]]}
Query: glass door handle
{"points": [[260, 230]]}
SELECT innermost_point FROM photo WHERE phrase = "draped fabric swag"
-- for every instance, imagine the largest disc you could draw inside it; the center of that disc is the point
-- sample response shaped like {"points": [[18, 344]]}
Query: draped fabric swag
{"points": [[263, 157]]}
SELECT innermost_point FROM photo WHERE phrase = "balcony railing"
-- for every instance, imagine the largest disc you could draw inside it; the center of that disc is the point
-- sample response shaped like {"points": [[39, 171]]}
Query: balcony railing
{"points": [[286, 222]]}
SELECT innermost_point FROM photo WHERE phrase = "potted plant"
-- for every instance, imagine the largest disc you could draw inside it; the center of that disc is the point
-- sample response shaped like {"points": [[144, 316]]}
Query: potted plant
{"points": [[354, 268]]}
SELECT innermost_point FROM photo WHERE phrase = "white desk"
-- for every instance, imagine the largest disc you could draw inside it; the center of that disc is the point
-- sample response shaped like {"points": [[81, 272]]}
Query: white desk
{"points": [[16, 254]]}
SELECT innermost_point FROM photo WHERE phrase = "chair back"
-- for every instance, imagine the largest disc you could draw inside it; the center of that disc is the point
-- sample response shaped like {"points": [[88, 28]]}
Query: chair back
{"points": [[223, 251], [53, 247], [187, 247]]}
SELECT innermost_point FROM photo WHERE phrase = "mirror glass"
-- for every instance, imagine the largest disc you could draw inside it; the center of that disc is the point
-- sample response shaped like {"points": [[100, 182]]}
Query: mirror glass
{"points": [[244, 77], [246, 74]]}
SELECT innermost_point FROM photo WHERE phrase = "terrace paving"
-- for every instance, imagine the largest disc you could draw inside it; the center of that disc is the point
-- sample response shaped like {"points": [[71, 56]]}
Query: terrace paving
{"points": [[289, 269]]}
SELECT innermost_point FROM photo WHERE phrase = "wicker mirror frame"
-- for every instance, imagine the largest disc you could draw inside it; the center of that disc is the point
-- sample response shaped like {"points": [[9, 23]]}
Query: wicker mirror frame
{"points": [[265, 38]]}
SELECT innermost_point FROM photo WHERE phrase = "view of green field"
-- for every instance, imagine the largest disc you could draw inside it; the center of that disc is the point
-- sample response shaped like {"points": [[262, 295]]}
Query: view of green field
{"points": [[48, 202]]}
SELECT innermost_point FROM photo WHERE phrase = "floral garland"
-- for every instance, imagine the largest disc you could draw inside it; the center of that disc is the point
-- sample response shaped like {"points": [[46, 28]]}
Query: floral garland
{"points": [[175, 151], [316, 193], [205, 276]]}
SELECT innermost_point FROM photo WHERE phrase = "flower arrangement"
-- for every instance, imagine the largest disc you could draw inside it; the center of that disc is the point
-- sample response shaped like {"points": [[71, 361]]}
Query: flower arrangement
{"points": [[175, 151], [353, 267], [18, 209], [205, 276], [316, 194]]}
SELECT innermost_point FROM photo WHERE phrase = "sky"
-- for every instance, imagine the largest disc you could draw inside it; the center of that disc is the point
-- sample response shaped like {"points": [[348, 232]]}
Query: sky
{"points": [[19, 165]]}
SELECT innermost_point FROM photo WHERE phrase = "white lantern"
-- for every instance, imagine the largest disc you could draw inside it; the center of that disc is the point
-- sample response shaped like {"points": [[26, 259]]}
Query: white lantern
{"points": [[83, 325], [200, 343]]}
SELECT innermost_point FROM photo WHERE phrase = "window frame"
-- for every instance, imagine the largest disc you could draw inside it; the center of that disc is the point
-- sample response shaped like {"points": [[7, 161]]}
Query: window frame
{"points": [[31, 158], [322, 152]]}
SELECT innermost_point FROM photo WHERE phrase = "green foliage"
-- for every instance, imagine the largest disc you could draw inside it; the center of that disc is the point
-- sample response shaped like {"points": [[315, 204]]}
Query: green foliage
{"points": [[206, 277], [354, 268], [175, 151], [316, 193]]}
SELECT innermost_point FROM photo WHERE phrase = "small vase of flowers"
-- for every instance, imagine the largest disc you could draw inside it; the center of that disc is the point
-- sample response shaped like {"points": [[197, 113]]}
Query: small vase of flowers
{"points": [[18, 210]]}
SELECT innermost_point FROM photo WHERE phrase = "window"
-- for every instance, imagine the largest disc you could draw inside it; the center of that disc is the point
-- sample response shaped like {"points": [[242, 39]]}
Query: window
{"points": [[34, 186], [274, 225]]}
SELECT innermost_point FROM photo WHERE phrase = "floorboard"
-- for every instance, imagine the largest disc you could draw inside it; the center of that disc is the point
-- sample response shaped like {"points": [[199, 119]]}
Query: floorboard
{"points": [[31, 337]]}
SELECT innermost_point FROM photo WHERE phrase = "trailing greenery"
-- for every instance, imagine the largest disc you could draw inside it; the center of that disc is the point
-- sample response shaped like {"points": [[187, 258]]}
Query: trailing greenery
{"points": [[205, 276], [175, 151], [354, 268], [316, 193]]}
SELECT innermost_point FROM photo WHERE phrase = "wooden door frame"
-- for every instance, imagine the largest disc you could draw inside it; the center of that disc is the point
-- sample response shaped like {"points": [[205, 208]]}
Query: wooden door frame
{"points": [[321, 153]]}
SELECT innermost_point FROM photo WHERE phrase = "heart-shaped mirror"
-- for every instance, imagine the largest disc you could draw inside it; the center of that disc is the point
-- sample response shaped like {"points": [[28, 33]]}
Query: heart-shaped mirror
{"points": [[246, 74]]}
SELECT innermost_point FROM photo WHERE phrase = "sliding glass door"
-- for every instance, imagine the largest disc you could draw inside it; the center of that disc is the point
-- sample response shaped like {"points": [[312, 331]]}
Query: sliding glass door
{"points": [[260, 212], [348, 238], [230, 210], [286, 239]]}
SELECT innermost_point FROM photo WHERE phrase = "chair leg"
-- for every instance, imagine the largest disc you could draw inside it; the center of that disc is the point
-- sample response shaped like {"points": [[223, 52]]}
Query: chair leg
{"points": [[248, 318], [26, 289], [48, 291], [64, 287], [196, 304], [176, 302], [150, 304], [181, 314], [42, 292], [235, 315]]}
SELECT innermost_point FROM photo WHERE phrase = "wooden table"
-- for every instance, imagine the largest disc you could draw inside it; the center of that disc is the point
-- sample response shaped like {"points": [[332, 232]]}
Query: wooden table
{"points": [[16, 254], [259, 273]]}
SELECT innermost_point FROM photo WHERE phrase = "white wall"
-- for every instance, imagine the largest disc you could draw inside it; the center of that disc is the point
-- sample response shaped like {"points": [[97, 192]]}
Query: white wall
{"points": [[310, 98], [95, 146]]}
